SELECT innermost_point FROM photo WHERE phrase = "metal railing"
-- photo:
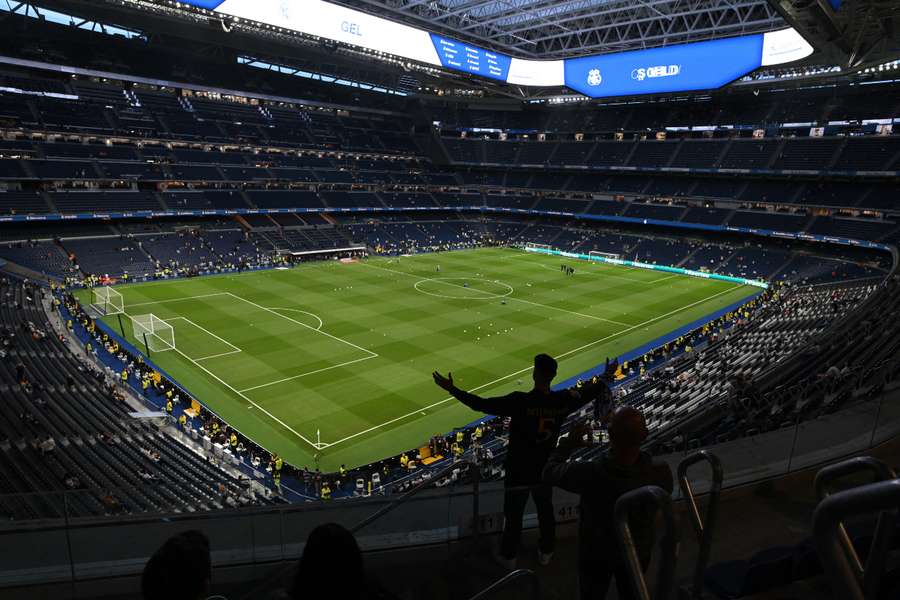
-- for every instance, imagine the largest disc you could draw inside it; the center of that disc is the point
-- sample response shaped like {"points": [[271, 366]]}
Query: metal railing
{"points": [[867, 576], [665, 578], [704, 528], [509, 579], [847, 579]]}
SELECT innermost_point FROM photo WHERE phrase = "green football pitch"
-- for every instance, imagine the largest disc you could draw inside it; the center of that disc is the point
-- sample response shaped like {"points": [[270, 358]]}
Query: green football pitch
{"points": [[335, 359]]}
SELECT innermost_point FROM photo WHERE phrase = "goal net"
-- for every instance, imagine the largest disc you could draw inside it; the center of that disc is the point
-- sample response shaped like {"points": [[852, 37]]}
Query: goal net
{"points": [[603, 256], [107, 301], [532, 247], [158, 335]]}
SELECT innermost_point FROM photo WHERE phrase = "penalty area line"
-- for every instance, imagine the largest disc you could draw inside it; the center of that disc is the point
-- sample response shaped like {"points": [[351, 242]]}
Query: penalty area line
{"points": [[520, 371], [244, 397], [322, 370]]}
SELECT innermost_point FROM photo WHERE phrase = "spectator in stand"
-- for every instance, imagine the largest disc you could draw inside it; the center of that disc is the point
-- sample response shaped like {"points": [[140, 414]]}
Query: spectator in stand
{"points": [[332, 562], [536, 418], [180, 570], [600, 483]]}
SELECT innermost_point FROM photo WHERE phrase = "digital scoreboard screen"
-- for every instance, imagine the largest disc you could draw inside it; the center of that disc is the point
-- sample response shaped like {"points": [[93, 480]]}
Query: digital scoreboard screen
{"points": [[471, 59], [678, 68]]}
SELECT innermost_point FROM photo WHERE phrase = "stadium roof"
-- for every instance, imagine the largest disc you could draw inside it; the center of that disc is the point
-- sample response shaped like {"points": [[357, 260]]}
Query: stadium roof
{"points": [[565, 28]]}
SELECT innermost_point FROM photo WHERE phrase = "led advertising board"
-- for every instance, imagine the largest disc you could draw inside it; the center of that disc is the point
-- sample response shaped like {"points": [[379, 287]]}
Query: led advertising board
{"points": [[684, 67], [697, 66]]}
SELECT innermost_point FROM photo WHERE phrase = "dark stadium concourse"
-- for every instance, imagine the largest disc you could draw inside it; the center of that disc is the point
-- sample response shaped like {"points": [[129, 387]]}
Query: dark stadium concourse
{"points": [[457, 299]]}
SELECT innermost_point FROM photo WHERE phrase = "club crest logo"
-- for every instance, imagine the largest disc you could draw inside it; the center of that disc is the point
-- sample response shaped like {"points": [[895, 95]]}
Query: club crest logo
{"points": [[594, 77]]}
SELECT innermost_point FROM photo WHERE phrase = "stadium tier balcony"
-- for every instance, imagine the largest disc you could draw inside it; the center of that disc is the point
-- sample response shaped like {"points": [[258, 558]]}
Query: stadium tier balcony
{"points": [[77, 201], [767, 220], [670, 187], [661, 251], [756, 263], [832, 193], [571, 153], [344, 199], [807, 153], [401, 199], [466, 151], [851, 228], [111, 255], [718, 188], [654, 211], [710, 374], [653, 154], [634, 184], [178, 249], [610, 153], [699, 153], [606, 207], [749, 154], [707, 257], [22, 203], [881, 196], [60, 169], [284, 198], [99, 450], [770, 191], [706, 216], [878, 153], [207, 199], [562, 205], [42, 257], [510, 201], [95, 150]]}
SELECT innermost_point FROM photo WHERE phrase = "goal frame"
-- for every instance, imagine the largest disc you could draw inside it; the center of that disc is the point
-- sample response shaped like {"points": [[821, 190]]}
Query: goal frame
{"points": [[533, 247], [604, 256], [157, 335], [107, 301]]}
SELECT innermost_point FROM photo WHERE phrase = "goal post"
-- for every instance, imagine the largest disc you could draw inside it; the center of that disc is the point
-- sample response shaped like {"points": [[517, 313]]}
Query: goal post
{"points": [[107, 301], [604, 256], [157, 335], [532, 247]]}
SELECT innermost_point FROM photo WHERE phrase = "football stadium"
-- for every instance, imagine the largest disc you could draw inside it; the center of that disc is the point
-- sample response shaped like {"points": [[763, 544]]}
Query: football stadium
{"points": [[449, 299]]}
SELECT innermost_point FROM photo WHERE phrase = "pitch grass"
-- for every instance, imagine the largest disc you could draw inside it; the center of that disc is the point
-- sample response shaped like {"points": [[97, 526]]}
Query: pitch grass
{"points": [[348, 349]]}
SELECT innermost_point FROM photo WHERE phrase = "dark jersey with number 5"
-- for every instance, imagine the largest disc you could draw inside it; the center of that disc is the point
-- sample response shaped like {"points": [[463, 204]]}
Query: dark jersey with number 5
{"points": [[535, 422]]}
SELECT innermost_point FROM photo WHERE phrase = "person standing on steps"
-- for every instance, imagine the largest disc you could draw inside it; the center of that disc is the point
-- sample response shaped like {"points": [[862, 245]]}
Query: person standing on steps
{"points": [[536, 419]]}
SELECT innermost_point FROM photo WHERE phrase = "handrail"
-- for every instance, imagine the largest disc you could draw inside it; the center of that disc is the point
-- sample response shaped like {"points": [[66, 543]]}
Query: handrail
{"points": [[704, 529], [404, 497], [867, 575], [665, 580], [362, 524], [883, 497], [506, 580]]}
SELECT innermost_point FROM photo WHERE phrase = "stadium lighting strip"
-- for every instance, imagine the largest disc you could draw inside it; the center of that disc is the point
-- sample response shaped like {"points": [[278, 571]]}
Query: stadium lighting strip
{"points": [[266, 66], [45, 14], [684, 67]]}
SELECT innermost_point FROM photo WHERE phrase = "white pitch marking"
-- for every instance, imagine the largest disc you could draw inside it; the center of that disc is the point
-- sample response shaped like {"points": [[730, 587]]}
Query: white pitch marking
{"points": [[563, 355], [305, 312], [302, 324], [208, 332], [178, 299], [343, 364], [571, 312], [220, 380], [663, 278], [218, 355]]}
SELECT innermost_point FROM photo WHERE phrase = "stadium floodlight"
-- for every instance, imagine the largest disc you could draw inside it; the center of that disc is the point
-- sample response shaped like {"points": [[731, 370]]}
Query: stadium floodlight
{"points": [[532, 247], [604, 256], [157, 335], [107, 301]]}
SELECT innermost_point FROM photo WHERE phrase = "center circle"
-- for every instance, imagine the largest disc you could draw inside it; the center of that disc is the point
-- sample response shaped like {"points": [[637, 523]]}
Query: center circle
{"points": [[454, 288]]}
